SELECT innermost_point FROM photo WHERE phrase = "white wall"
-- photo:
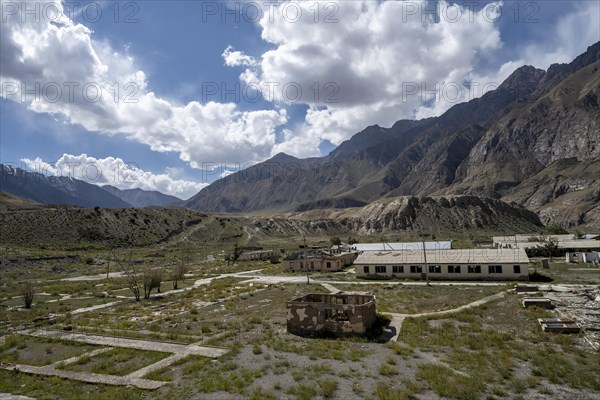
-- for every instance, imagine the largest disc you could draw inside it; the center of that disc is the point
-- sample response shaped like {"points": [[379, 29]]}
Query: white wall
{"points": [[507, 273]]}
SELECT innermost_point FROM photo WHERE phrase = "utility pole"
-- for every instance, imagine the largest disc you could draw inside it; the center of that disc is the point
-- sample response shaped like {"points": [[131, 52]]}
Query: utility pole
{"points": [[306, 261], [425, 258], [108, 265], [111, 254]]}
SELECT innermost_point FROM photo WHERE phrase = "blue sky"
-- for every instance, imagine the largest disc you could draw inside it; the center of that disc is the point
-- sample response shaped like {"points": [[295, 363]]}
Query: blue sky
{"points": [[360, 56]]}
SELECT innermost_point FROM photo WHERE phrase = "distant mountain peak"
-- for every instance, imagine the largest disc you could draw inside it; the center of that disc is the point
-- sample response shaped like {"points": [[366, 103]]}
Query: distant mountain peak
{"points": [[281, 156], [142, 198], [483, 147], [526, 75]]}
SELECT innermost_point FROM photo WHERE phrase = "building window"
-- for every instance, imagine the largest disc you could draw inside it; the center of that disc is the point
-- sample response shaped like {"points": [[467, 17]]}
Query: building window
{"points": [[380, 269], [454, 269], [435, 269], [336, 315], [328, 264], [416, 269], [495, 269], [398, 269], [366, 269], [517, 269], [301, 265], [474, 269]]}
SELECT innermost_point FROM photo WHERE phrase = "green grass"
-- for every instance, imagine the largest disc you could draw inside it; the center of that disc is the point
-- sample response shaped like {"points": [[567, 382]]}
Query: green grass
{"points": [[18, 349], [387, 369], [418, 299], [302, 391], [384, 391], [327, 388], [486, 344], [41, 387], [447, 383], [561, 272], [403, 351], [118, 361]]}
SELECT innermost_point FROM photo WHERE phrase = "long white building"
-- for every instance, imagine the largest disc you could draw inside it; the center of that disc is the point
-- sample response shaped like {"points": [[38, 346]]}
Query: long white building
{"points": [[458, 264]]}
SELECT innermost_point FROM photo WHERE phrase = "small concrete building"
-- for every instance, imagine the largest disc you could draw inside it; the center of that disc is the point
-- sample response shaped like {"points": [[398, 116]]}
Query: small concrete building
{"points": [[581, 257], [458, 264], [317, 260], [339, 314]]}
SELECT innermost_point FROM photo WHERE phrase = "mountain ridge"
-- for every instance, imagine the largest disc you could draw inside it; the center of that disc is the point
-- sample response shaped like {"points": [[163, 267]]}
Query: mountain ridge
{"points": [[484, 147]]}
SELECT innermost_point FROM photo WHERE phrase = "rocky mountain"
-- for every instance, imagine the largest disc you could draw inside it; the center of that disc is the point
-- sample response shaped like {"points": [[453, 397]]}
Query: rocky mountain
{"points": [[446, 216], [142, 198], [487, 147], [63, 190], [420, 214], [565, 192]]}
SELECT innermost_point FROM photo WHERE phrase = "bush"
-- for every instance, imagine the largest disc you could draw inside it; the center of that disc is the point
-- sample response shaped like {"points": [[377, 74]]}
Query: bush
{"points": [[27, 293]]}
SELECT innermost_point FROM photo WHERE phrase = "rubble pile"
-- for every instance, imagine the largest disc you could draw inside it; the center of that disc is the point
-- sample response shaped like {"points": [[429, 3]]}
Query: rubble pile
{"points": [[581, 304]]}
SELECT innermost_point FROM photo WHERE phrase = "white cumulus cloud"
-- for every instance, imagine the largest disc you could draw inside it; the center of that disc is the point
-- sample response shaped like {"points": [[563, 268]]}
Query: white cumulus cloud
{"points": [[115, 172], [353, 63], [375, 65], [235, 58], [360, 63], [57, 67]]}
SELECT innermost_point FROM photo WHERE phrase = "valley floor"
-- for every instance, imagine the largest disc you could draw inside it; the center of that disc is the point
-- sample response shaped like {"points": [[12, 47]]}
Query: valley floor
{"points": [[222, 334]]}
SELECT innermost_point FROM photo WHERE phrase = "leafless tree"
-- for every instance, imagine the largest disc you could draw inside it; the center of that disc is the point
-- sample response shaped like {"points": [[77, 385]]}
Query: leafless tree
{"points": [[133, 283], [178, 272], [133, 279], [152, 279], [27, 293]]}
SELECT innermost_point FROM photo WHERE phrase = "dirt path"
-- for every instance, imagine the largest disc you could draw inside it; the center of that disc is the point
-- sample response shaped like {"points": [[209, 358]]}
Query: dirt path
{"points": [[332, 289], [398, 319], [133, 379], [54, 370], [165, 362], [85, 377], [98, 277], [8, 396], [139, 344]]}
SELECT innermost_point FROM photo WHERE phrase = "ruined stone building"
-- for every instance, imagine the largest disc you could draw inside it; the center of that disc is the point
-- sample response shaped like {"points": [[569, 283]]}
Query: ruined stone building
{"points": [[335, 314], [258, 255]]}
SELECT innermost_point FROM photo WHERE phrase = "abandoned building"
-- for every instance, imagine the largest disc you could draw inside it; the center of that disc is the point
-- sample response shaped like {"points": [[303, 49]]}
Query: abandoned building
{"points": [[259, 255], [459, 264], [582, 257], [334, 314], [317, 260], [568, 243]]}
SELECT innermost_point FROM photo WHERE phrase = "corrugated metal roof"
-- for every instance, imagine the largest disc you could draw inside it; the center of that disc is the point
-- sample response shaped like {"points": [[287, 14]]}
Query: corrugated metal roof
{"points": [[436, 245], [579, 244], [458, 256], [568, 244]]}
